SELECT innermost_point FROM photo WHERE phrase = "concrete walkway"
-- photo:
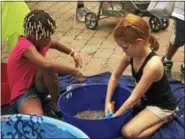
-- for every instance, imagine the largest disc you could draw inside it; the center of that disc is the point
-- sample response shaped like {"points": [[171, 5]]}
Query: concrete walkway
{"points": [[98, 49]]}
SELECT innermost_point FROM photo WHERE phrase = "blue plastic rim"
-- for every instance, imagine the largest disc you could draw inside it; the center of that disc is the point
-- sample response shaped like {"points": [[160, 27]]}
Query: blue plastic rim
{"points": [[33, 126], [92, 97]]}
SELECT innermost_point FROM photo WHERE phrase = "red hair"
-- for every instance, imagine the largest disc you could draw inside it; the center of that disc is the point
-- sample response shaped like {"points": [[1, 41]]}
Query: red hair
{"points": [[132, 27]]}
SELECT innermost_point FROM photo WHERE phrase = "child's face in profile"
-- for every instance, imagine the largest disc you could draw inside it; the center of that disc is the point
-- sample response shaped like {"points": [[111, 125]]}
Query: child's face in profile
{"points": [[125, 46], [41, 42], [131, 49]]}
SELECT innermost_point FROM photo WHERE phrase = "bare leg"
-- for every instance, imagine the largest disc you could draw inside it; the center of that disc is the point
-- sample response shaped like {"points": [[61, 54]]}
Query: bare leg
{"points": [[48, 81], [177, 39], [146, 133], [171, 51], [142, 125], [32, 106]]}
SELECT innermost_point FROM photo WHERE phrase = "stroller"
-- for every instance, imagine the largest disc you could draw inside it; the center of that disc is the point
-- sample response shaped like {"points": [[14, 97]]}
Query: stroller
{"points": [[117, 9]]}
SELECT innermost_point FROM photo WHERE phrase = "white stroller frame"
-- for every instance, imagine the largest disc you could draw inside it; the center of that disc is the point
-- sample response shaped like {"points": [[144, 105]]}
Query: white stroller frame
{"points": [[135, 7]]}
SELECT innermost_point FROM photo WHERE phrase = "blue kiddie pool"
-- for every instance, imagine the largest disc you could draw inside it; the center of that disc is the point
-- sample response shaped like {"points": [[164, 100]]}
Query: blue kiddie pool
{"points": [[92, 97], [37, 127]]}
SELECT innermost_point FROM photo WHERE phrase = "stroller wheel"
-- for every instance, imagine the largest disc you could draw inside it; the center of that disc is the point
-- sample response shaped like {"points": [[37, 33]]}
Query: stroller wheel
{"points": [[165, 23], [91, 20], [155, 24]]}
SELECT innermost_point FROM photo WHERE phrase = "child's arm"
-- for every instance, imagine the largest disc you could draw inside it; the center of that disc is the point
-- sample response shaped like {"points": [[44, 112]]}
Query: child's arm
{"points": [[62, 48], [124, 62], [36, 58], [152, 72]]}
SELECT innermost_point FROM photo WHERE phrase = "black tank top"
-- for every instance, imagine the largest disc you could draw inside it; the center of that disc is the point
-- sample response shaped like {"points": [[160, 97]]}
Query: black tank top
{"points": [[159, 94]]}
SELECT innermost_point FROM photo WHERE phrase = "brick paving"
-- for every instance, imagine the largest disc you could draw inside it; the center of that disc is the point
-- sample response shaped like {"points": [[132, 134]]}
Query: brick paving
{"points": [[98, 49]]}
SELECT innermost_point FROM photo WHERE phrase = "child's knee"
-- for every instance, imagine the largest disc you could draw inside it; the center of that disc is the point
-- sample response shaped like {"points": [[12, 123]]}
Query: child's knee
{"points": [[29, 105], [44, 76], [128, 132], [37, 111], [49, 75], [39, 81]]}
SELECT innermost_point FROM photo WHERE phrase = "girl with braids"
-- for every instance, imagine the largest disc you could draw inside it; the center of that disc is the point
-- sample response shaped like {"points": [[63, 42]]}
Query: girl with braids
{"points": [[29, 72], [152, 89]]}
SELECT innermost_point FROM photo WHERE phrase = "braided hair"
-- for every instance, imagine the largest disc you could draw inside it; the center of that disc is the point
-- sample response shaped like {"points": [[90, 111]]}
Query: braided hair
{"points": [[40, 22]]}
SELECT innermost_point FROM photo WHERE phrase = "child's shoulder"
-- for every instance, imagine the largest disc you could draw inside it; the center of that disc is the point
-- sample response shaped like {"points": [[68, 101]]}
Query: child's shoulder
{"points": [[154, 63], [24, 42], [156, 59], [23, 39]]}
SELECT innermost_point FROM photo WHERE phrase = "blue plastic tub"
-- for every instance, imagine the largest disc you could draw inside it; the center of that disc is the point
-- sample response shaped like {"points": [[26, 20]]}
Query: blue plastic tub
{"points": [[27, 126], [92, 97]]}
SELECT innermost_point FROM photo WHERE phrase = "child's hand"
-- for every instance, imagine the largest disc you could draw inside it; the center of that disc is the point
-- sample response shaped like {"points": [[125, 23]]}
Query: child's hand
{"points": [[77, 60], [79, 77], [109, 108], [138, 103]]}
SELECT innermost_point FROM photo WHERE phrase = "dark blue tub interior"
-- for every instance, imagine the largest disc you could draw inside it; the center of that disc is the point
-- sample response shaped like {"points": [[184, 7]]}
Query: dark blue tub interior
{"points": [[27, 126], [92, 97]]}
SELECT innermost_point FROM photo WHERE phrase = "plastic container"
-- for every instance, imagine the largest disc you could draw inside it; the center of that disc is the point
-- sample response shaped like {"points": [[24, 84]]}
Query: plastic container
{"points": [[5, 93], [92, 97], [27, 126]]}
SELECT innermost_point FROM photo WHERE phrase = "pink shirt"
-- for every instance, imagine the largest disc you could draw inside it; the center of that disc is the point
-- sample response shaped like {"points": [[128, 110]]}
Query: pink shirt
{"points": [[20, 70]]}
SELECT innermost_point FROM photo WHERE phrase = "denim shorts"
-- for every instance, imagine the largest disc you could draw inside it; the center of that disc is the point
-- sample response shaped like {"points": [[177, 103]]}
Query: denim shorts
{"points": [[29, 94], [178, 36]]}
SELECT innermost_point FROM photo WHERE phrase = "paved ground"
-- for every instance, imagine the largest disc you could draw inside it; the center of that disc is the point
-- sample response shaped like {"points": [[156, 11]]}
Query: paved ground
{"points": [[98, 49]]}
